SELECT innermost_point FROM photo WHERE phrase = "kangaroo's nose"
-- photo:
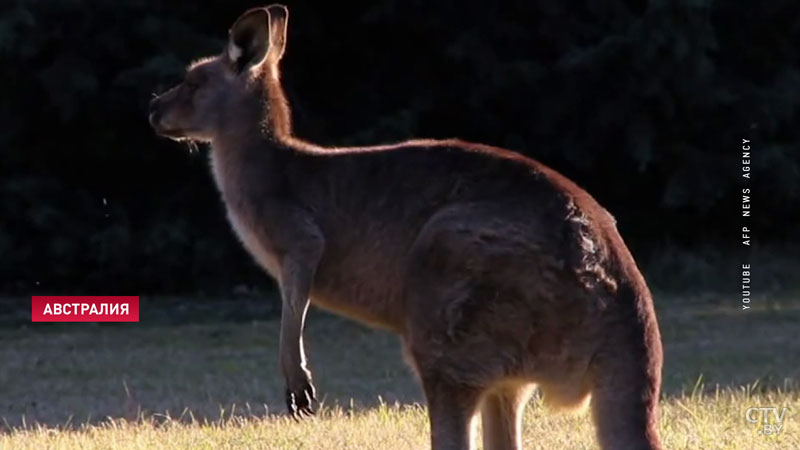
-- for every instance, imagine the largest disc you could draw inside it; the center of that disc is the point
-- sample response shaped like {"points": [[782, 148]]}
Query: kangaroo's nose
{"points": [[155, 112]]}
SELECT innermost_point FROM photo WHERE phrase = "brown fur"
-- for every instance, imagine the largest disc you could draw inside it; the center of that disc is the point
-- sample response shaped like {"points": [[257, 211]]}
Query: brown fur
{"points": [[497, 272]]}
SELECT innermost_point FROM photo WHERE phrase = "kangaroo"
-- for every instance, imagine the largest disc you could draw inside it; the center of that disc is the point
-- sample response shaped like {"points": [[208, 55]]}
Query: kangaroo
{"points": [[498, 273]]}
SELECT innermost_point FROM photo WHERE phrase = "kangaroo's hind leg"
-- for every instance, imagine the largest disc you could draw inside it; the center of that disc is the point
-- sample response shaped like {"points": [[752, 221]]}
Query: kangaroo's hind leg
{"points": [[467, 324], [501, 415], [451, 409], [626, 380]]}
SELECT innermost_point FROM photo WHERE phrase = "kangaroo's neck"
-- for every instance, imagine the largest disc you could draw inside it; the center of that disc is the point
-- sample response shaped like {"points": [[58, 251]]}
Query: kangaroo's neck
{"points": [[252, 143], [262, 116], [278, 115]]}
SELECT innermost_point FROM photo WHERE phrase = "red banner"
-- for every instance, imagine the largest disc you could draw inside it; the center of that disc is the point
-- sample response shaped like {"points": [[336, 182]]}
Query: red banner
{"points": [[85, 309]]}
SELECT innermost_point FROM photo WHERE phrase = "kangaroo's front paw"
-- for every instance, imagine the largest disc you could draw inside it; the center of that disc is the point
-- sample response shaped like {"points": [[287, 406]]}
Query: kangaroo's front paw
{"points": [[299, 401]]}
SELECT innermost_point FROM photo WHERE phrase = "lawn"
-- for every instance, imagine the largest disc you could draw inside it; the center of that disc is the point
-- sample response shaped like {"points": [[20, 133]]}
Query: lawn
{"points": [[204, 375]]}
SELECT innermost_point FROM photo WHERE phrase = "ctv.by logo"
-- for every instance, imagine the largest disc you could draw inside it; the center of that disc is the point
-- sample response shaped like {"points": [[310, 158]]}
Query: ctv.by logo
{"points": [[767, 420]]}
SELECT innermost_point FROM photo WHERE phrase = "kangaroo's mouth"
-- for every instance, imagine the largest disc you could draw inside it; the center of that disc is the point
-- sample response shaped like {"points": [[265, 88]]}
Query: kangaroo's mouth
{"points": [[174, 134], [177, 135], [157, 124]]}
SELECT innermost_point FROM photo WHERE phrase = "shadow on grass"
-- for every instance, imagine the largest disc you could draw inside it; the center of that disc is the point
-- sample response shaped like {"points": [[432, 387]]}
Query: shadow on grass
{"points": [[211, 359], [197, 357]]}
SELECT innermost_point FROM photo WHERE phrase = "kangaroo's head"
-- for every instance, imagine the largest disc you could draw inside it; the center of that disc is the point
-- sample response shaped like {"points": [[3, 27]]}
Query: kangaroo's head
{"points": [[221, 92]]}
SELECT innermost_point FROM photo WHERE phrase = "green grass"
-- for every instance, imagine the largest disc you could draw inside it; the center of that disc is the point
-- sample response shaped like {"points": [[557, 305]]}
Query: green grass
{"points": [[199, 380]]}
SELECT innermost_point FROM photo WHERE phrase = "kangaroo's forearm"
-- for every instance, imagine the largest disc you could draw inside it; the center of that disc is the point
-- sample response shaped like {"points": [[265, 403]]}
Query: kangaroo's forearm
{"points": [[295, 287], [296, 280], [298, 264]]}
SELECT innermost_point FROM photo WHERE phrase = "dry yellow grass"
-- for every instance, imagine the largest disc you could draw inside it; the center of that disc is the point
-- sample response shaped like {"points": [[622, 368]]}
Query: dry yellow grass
{"points": [[699, 422], [132, 386]]}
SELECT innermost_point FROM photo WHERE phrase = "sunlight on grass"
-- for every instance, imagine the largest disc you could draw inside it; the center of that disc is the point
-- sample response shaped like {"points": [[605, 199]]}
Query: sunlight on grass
{"points": [[216, 385], [695, 421]]}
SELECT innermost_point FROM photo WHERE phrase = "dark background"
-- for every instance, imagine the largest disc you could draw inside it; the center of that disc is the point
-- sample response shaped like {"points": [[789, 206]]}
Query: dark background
{"points": [[643, 103]]}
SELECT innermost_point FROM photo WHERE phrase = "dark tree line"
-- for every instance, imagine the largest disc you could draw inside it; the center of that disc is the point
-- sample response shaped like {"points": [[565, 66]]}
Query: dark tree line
{"points": [[644, 103]]}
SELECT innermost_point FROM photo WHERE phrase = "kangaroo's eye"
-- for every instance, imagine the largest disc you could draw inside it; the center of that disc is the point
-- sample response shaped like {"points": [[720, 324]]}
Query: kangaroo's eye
{"points": [[191, 85], [194, 80]]}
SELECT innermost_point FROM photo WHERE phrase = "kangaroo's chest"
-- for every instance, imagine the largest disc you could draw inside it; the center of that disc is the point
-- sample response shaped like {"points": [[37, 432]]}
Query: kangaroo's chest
{"points": [[242, 217], [254, 241]]}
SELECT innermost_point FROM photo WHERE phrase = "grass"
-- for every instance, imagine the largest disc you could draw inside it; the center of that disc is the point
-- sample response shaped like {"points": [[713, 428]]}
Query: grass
{"points": [[207, 378]]}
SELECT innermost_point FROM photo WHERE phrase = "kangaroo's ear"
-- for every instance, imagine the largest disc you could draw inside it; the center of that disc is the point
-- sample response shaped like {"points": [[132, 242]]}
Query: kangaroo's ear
{"points": [[278, 19], [248, 40], [258, 35]]}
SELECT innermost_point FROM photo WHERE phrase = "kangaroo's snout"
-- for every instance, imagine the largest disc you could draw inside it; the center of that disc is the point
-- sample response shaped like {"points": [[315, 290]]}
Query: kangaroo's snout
{"points": [[167, 117], [154, 113]]}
